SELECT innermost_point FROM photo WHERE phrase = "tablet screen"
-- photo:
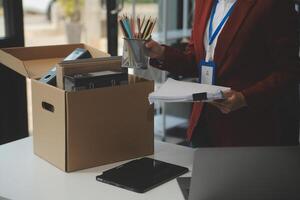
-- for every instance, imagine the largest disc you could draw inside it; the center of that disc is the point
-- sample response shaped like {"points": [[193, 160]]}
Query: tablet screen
{"points": [[141, 175]]}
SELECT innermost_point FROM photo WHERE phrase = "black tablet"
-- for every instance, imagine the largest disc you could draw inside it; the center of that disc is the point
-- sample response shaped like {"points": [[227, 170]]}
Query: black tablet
{"points": [[141, 175]]}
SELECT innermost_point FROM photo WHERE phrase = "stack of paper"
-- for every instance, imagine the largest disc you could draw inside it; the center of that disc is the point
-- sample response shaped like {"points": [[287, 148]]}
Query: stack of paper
{"points": [[179, 91]]}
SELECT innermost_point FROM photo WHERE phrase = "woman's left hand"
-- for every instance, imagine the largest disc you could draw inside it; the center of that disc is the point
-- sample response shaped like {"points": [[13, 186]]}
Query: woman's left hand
{"points": [[233, 101]]}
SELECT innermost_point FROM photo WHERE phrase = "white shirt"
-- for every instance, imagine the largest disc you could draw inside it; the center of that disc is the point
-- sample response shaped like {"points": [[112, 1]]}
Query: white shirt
{"points": [[222, 9]]}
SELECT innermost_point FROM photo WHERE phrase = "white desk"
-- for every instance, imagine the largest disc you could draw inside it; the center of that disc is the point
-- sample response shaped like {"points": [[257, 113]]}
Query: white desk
{"points": [[24, 176]]}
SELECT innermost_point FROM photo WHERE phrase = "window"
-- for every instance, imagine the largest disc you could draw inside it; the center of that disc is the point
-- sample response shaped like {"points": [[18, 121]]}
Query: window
{"points": [[11, 23], [174, 17], [2, 21]]}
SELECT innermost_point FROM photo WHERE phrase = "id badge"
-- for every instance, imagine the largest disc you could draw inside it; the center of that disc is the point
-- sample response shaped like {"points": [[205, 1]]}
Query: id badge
{"points": [[208, 71]]}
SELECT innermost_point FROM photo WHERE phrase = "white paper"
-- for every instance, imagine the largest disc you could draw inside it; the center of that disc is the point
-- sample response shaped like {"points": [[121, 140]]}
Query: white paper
{"points": [[180, 91]]}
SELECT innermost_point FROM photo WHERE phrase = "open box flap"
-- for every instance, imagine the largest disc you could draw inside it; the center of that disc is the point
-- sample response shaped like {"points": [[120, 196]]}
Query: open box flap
{"points": [[95, 52], [12, 62], [33, 62]]}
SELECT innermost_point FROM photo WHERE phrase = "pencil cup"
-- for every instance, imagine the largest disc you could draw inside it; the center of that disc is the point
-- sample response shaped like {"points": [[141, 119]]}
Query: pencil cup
{"points": [[135, 54]]}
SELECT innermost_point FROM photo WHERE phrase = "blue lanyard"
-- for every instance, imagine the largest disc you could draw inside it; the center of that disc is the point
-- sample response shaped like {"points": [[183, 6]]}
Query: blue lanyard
{"points": [[212, 36]]}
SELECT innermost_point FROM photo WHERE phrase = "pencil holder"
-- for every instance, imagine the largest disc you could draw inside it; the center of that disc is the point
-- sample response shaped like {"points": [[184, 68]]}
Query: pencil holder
{"points": [[135, 54]]}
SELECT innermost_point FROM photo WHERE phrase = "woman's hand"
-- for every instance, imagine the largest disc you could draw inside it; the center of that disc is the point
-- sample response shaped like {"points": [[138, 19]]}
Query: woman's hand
{"points": [[155, 50], [233, 101]]}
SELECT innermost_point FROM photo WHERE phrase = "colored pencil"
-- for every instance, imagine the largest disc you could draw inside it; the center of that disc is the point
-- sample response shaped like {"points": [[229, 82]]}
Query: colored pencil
{"points": [[137, 28]]}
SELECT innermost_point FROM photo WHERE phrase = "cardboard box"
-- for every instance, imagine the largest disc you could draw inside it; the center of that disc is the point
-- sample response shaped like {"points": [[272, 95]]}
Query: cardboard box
{"points": [[78, 130]]}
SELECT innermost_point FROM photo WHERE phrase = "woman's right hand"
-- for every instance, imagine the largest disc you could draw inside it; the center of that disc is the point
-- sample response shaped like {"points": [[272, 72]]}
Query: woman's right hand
{"points": [[155, 50]]}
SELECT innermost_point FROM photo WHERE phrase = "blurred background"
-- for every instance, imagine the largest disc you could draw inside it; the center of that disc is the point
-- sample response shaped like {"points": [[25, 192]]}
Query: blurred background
{"points": [[50, 21]]}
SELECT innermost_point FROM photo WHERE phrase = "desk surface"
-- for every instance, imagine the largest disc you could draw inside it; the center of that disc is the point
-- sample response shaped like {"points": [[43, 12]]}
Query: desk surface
{"points": [[24, 176]]}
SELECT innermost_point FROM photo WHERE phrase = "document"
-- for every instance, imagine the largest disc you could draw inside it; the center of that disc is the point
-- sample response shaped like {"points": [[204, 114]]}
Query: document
{"points": [[180, 91]]}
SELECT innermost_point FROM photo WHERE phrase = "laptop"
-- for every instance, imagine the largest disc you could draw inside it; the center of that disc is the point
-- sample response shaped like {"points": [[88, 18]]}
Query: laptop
{"points": [[184, 184], [247, 173]]}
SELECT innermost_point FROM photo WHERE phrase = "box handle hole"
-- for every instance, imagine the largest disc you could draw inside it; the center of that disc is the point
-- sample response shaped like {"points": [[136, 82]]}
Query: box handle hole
{"points": [[47, 106], [48, 76]]}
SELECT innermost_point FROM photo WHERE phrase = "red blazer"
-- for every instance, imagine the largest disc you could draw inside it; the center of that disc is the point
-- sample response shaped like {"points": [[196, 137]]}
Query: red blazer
{"points": [[257, 54]]}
